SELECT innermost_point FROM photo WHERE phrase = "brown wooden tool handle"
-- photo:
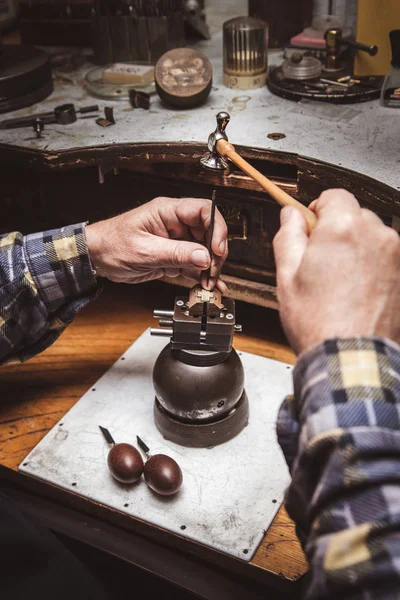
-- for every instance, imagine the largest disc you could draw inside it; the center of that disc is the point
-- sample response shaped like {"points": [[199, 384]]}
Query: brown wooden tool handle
{"points": [[227, 150]]}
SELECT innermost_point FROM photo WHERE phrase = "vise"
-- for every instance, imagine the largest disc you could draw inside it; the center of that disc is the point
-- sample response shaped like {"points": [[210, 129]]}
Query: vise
{"points": [[200, 321]]}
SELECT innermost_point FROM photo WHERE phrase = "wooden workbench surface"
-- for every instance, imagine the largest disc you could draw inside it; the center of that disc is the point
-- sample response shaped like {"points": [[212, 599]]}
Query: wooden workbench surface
{"points": [[34, 396]]}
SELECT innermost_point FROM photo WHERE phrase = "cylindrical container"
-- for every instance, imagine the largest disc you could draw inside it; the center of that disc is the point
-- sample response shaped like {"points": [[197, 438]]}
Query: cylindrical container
{"points": [[245, 45]]}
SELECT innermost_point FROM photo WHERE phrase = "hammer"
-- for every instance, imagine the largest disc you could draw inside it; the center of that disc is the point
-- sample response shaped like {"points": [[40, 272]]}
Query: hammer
{"points": [[220, 150]]}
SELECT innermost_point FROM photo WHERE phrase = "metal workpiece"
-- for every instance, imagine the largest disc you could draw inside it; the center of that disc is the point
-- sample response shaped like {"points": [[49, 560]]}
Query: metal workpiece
{"points": [[200, 321], [213, 160]]}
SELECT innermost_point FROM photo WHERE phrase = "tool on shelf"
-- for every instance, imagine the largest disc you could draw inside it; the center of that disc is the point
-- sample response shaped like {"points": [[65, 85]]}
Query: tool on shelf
{"points": [[220, 151], [64, 114]]}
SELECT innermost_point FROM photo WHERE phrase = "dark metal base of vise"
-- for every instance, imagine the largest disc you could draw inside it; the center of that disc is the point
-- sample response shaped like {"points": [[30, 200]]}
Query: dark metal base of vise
{"points": [[202, 435]]}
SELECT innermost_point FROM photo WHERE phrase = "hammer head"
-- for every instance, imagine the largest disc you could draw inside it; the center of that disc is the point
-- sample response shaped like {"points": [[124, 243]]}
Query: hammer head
{"points": [[213, 160]]}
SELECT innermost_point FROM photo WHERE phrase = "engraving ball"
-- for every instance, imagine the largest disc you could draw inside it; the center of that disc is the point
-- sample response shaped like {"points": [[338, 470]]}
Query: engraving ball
{"points": [[163, 475], [125, 463]]}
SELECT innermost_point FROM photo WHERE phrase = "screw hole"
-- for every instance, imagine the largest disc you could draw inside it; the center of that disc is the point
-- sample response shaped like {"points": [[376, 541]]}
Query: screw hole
{"points": [[276, 136], [245, 551], [74, 484], [94, 389], [126, 505], [183, 527], [274, 501], [24, 464], [288, 367], [123, 358], [61, 424]]}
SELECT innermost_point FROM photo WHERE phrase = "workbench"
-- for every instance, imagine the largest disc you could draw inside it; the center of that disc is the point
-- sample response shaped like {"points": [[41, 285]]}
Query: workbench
{"points": [[37, 394], [84, 172]]}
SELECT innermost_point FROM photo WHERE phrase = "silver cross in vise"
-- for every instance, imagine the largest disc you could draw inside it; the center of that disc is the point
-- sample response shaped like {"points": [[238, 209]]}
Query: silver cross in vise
{"points": [[213, 160]]}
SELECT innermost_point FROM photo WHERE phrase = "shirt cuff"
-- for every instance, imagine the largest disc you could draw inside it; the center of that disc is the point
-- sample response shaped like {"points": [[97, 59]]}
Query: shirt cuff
{"points": [[59, 263]]}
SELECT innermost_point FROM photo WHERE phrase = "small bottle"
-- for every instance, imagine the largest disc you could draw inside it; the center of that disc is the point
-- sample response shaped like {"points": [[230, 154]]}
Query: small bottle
{"points": [[390, 93]]}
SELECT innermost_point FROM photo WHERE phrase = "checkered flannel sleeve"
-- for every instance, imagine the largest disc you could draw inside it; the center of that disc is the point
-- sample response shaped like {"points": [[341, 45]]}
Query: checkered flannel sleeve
{"points": [[45, 279], [340, 434]]}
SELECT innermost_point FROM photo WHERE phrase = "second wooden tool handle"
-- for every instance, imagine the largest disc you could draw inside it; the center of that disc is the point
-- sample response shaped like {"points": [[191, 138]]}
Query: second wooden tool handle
{"points": [[227, 150]]}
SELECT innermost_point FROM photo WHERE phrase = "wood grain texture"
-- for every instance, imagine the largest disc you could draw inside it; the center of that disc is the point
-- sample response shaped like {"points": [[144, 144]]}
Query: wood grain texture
{"points": [[35, 395]]}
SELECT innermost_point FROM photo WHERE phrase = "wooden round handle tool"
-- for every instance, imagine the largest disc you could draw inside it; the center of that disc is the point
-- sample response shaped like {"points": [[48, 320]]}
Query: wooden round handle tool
{"points": [[227, 150]]}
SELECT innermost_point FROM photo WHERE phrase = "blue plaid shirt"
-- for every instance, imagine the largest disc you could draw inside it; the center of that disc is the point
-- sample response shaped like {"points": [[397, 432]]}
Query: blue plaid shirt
{"points": [[340, 434], [340, 431], [45, 279]]}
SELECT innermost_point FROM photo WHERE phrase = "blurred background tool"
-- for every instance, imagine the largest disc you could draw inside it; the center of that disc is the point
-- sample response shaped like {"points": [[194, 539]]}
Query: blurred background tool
{"points": [[183, 78], [135, 30], [245, 49], [64, 114], [375, 20], [390, 95], [25, 76], [285, 18], [220, 148], [329, 78]]}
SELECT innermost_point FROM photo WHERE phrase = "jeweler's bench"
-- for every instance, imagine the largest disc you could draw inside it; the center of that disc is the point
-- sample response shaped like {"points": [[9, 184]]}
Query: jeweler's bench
{"points": [[85, 172]]}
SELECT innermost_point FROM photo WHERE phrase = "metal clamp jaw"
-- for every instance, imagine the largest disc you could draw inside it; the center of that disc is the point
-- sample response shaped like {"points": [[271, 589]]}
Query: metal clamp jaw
{"points": [[199, 321], [213, 160]]}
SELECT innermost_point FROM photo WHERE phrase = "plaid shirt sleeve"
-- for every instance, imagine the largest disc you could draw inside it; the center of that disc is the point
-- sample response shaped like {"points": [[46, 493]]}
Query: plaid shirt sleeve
{"points": [[45, 279], [340, 434]]}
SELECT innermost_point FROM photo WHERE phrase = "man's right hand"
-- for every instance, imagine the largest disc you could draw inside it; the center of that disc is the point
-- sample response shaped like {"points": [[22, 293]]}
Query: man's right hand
{"points": [[343, 280]]}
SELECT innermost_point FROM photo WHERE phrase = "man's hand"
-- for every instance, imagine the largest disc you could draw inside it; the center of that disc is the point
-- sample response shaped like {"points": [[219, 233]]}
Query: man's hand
{"points": [[161, 237], [344, 280]]}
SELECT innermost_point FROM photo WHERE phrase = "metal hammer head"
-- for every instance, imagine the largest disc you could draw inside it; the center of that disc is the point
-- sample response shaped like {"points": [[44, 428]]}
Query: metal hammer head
{"points": [[213, 160]]}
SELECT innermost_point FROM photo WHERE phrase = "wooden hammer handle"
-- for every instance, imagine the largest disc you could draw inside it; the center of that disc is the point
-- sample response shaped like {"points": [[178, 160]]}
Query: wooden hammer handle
{"points": [[226, 150]]}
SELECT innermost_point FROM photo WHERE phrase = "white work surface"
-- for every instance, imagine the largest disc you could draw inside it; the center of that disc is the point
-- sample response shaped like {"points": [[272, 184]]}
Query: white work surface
{"points": [[230, 493], [362, 137]]}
